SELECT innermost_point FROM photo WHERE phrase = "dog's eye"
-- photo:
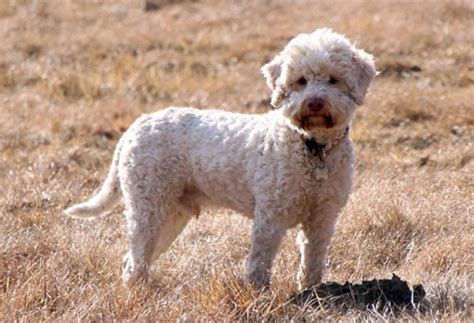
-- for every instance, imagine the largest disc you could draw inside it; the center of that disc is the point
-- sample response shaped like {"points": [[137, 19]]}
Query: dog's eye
{"points": [[333, 80], [301, 81]]}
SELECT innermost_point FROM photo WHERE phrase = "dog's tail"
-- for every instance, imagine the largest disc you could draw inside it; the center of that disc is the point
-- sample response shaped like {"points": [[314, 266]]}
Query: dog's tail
{"points": [[106, 198]]}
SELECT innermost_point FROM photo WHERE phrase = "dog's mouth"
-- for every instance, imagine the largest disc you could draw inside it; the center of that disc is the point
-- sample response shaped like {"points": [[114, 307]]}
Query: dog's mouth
{"points": [[321, 119]]}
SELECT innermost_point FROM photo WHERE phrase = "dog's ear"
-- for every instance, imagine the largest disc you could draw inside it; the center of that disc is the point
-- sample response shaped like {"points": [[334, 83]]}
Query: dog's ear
{"points": [[271, 71], [365, 71]]}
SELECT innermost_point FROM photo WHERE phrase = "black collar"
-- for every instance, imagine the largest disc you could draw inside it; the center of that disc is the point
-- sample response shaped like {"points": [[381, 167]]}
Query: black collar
{"points": [[316, 148], [319, 149]]}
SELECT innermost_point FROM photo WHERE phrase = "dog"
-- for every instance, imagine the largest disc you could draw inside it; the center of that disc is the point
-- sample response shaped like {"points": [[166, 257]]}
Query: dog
{"points": [[292, 166]]}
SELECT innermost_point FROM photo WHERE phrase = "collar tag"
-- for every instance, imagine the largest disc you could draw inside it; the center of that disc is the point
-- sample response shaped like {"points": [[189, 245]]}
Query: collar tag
{"points": [[316, 148]]}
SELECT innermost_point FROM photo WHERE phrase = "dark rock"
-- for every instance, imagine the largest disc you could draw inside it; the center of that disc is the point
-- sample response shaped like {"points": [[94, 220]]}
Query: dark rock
{"points": [[415, 68], [150, 5], [153, 5], [457, 131], [424, 161]]}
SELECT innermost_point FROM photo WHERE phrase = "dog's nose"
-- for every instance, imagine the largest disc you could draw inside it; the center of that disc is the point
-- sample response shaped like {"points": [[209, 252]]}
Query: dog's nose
{"points": [[315, 104]]}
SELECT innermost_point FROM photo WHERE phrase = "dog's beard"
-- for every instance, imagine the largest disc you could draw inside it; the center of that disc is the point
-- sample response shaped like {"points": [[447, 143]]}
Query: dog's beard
{"points": [[311, 122], [334, 116]]}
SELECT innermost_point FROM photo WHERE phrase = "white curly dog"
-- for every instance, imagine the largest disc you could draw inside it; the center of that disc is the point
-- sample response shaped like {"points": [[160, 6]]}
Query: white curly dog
{"points": [[288, 167]]}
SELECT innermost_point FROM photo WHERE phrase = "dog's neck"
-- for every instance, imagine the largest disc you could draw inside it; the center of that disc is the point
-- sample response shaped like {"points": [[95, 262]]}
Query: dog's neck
{"points": [[321, 143], [318, 142]]}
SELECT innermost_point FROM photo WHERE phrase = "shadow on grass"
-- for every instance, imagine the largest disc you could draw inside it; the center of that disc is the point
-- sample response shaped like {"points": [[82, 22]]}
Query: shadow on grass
{"points": [[379, 294]]}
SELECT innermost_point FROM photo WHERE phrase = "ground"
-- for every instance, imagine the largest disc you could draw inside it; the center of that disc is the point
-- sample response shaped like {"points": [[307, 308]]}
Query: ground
{"points": [[75, 74]]}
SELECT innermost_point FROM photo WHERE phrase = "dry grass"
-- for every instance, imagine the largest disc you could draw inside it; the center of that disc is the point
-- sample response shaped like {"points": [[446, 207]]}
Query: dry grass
{"points": [[73, 76]]}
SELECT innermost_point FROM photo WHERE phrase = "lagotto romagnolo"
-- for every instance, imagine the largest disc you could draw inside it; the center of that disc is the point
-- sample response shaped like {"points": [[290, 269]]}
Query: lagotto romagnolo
{"points": [[289, 167]]}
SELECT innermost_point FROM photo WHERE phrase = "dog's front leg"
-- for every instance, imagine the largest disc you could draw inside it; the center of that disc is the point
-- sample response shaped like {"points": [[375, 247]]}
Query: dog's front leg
{"points": [[266, 237], [313, 241]]}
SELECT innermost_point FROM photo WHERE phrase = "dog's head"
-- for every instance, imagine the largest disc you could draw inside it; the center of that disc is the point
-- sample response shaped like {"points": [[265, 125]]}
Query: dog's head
{"points": [[319, 79]]}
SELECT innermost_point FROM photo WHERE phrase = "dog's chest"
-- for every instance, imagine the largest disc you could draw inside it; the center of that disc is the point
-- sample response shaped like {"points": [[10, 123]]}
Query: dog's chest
{"points": [[321, 179], [321, 166]]}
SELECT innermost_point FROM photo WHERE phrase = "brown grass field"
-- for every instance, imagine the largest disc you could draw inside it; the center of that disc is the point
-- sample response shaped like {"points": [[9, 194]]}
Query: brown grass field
{"points": [[75, 74]]}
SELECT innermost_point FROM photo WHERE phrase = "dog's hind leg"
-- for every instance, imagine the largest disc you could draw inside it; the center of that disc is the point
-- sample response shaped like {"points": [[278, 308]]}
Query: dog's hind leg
{"points": [[170, 228], [149, 238], [142, 227], [153, 215], [149, 208]]}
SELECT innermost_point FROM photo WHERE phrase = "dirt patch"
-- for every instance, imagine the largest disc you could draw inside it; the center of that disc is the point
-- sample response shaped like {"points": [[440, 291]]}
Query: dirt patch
{"points": [[399, 69], [391, 293], [417, 143]]}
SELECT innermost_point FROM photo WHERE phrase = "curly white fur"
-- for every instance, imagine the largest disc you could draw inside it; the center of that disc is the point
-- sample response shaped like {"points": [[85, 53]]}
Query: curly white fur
{"points": [[169, 163]]}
